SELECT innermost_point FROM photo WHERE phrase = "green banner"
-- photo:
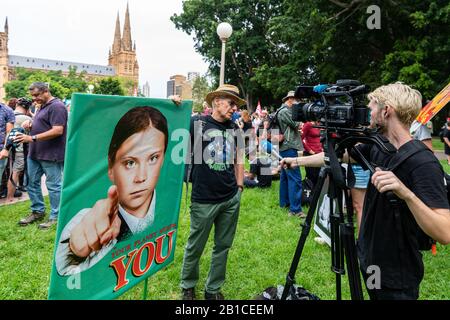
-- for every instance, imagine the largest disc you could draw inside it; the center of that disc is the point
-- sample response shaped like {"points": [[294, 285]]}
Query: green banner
{"points": [[121, 194]]}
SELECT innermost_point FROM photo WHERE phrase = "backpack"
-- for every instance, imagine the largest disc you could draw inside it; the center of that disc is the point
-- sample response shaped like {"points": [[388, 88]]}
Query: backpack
{"points": [[425, 241], [307, 190], [274, 124], [295, 293]]}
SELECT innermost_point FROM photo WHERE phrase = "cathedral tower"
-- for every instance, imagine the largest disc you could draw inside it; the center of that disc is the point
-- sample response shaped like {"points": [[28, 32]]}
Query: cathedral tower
{"points": [[3, 60], [123, 53]]}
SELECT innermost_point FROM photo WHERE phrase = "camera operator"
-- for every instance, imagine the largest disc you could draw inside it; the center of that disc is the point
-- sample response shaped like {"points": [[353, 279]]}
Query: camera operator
{"points": [[389, 240]]}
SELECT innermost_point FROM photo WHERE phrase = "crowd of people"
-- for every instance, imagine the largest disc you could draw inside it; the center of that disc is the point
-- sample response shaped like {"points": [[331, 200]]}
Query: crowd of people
{"points": [[381, 242], [275, 146], [32, 142]]}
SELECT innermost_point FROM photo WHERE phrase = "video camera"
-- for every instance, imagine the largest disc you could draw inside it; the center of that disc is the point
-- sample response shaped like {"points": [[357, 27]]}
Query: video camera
{"points": [[337, 105]]}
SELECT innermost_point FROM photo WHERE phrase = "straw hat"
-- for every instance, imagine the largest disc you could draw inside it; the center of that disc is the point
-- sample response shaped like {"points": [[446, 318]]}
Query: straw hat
{"points": [[227, 90], [291, 94]]}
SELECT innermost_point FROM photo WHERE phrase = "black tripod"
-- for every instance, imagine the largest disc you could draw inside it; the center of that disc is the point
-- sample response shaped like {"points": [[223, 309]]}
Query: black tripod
{"points": [[342, 230]]}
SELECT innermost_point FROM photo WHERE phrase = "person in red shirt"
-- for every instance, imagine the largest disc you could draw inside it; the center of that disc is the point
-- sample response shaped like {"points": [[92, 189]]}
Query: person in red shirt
{"points": [[312, 145]]}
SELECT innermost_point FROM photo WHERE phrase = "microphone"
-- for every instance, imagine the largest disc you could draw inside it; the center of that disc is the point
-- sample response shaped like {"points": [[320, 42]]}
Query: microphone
{"points": [[267, 146]]}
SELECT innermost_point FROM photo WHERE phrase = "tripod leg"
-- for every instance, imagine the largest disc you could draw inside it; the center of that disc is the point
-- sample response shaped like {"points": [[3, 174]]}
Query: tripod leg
{"points": [[337, 264], [348, 235], [306, 227]]}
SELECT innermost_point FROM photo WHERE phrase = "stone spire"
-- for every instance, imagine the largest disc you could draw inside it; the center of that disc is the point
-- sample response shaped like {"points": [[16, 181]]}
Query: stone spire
{"points": [[117, 37], [126, 40], [6, 25]]}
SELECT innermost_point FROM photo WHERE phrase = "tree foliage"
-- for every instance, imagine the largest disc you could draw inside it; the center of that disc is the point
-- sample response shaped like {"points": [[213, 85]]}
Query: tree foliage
{"points": [[60, 86], [200, 88], [110, 86], [247, 48], [277, 45]]}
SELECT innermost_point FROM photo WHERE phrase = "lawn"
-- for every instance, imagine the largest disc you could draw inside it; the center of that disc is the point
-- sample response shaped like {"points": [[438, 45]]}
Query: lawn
{"points": [[260, 257]]}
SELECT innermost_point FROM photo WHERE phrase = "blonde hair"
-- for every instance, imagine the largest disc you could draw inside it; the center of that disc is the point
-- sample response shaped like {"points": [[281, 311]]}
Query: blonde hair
{"points": [[406, 101]]}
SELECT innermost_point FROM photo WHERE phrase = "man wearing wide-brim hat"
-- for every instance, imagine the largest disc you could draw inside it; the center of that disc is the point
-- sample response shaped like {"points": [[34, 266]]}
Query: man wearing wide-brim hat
{"points": [[217, 184], [290, 179]]}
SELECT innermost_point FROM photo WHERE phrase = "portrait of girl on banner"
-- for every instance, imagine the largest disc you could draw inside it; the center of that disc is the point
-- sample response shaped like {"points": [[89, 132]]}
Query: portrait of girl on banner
{"points": [[135, 157]]}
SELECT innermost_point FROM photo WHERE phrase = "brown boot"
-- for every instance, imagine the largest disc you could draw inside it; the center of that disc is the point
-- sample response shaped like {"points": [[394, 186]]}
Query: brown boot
{"points": [[32, 218]]}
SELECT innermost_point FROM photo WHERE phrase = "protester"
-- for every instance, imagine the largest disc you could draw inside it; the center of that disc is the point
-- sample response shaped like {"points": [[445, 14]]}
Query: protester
{"points": [[217, 184], [12, 103], [260, 174], [7, 120], [19, 153], [135, 157], [206, 109], [245, 124], [447, 140], [422, 132], [47, 142], [290, 179], [392, 235]]}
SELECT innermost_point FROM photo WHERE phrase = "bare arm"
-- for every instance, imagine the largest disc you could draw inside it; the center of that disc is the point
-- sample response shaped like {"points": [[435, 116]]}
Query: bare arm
{"points": [[4, 153], [53, 133], [239, 167]]}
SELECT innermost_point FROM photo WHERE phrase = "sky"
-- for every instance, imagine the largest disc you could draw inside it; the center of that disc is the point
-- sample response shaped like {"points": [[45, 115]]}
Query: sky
{"points": [[83, 31]]}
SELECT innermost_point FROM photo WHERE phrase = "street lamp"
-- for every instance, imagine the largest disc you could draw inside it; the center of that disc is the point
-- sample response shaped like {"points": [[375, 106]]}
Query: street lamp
{"points": [[224, 31], [90, 88]]}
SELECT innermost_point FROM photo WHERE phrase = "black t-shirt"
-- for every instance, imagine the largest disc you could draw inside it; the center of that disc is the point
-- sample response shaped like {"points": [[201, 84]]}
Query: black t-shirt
{"points": [[446, 135], [263, 171], [382, 235], [214, 180]]}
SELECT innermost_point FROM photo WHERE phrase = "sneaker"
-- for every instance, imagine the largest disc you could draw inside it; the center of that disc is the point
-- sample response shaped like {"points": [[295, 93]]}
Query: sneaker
{"points": [[188, 294], [33, 217], [17, 194], [214, 296], [48, 224], [22, 188]]}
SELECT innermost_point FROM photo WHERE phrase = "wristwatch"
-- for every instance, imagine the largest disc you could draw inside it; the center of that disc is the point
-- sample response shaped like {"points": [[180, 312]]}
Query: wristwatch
{"points": [[34, 138]]}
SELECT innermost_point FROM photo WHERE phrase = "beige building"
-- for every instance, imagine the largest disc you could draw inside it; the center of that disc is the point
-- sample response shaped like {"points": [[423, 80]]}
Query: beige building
{"points": [[179, 85], [122, 60]]}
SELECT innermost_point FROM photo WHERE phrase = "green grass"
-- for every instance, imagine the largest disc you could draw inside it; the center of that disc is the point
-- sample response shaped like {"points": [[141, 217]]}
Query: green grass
{"points": [[260, 257], [437, 144]]}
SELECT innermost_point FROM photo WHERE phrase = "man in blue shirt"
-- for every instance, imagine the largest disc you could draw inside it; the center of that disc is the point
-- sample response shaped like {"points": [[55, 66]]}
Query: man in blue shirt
{"points": [[47, 143]]}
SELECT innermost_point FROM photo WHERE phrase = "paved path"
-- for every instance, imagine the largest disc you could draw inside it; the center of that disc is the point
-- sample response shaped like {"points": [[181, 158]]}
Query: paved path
{"points": [[24, 196]]}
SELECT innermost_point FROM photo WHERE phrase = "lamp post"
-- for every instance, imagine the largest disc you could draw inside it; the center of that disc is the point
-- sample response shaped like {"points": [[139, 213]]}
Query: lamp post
{"points": [[224, 31], [90, 88]]}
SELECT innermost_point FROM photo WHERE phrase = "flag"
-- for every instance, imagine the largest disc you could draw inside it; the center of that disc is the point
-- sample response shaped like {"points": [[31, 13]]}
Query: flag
{"points": [[258, 108], [434, 106]]}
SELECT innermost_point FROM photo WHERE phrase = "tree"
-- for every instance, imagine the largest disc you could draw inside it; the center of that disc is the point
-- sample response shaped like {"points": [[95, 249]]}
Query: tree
{"points": [[60, 86], [200, 88], [247, 48], [110, 86], [278, 45]]}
